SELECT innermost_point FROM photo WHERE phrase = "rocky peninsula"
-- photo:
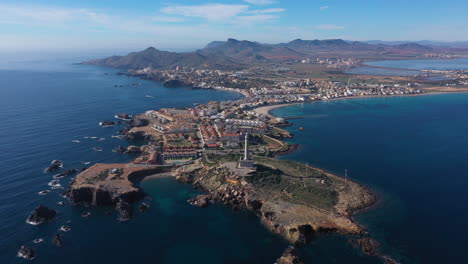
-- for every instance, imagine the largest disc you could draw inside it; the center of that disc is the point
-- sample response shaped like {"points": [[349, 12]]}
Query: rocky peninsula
{"points": [[291, 199]]}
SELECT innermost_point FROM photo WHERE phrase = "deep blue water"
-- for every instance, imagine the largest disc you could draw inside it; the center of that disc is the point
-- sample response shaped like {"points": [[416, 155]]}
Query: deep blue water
{"points": [[44, 105], [412, 151], [455, 64]]}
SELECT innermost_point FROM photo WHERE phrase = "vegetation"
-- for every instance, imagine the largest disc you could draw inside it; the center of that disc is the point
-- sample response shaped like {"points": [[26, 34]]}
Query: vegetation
{"points": [[295, 182]]}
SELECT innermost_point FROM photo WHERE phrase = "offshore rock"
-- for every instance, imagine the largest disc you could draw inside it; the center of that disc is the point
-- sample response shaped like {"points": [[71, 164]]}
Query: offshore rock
{"points": [[119, 150], [200, 200], [54, 165], [66, 173], [143, 207], [41, 215], [125, 211], [107, 123], [289, 257], [26, 253], [366, 244], [57, 240], [123, 116]]}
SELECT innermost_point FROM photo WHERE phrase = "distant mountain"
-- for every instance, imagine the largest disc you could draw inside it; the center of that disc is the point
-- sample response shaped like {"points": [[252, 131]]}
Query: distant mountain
{"points": [[413, 46], [154, 58], [454, 44], [307, 44], [337, 45], [237, 54], [248, 50]]}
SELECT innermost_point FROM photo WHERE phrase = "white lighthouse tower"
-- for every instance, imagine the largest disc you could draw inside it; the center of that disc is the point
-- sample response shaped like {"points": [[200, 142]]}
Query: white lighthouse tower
{"points": [[246, 162]]}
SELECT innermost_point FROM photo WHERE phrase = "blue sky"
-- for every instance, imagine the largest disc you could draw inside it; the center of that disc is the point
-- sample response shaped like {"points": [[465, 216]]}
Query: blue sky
{"points": [[183, 24]]}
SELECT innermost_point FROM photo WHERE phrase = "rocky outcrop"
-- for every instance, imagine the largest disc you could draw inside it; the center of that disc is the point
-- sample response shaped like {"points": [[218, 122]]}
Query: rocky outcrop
{"points": [[289, 256], [200, 200], [65, 173], [123, 116], [138, 121], [125, 211], [135, 135], [57, 240], [54, 165], [26, 253], [41, 215], [143, 207], [110, 185], [367, 245], [133, 150], [107, 123], [296, 221], [119, 150]]}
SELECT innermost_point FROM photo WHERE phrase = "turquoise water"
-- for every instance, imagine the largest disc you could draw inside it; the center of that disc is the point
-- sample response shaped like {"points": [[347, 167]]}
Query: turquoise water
{"points": [[412, 151], [455, 64]]}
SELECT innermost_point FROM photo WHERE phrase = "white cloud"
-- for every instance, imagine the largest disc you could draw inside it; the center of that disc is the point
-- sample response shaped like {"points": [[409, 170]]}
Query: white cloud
{"points": [[260, 2], [268, 10], [208, 11], [324, 8], [81, 28], [329, 27], [38, 13]]}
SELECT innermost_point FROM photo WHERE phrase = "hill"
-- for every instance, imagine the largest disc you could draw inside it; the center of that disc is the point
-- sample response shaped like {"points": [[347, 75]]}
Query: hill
{"points": [[238, 54]]}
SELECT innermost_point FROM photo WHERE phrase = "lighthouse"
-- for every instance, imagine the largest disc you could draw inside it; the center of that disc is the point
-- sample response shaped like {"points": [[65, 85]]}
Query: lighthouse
{"points": [[246, 147], [246, 162]]}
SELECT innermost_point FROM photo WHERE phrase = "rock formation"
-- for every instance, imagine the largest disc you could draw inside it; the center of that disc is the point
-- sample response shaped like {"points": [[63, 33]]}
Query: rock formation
{"points": [[110, 185], [26, 252], [125, 211], [107, 123], [57, 240], [41, 215], [289, 257]]}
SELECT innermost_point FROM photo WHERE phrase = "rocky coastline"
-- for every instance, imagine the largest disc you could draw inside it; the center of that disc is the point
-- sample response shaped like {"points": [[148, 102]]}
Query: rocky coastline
{"points": [[110, 185], [296, 220], [288, 213]]}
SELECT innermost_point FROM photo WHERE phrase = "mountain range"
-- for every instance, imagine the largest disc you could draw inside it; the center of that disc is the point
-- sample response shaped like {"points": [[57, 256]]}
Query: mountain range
{"points": [[238, 54]]}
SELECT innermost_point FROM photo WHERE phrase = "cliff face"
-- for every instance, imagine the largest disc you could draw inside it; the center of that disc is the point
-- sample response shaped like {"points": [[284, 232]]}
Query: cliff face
{"points": [[109, 185]]}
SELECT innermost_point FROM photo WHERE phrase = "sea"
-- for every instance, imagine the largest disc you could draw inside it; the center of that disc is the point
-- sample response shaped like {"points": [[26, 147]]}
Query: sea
{"points": [[410, 150], [410, 67]]}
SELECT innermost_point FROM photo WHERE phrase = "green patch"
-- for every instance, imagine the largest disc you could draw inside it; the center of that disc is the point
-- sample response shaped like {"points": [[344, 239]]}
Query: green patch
{"points": [[295, 182]]}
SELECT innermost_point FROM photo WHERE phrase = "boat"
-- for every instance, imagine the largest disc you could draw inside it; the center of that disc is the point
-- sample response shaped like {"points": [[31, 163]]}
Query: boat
{"points": [[301, 129]]}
